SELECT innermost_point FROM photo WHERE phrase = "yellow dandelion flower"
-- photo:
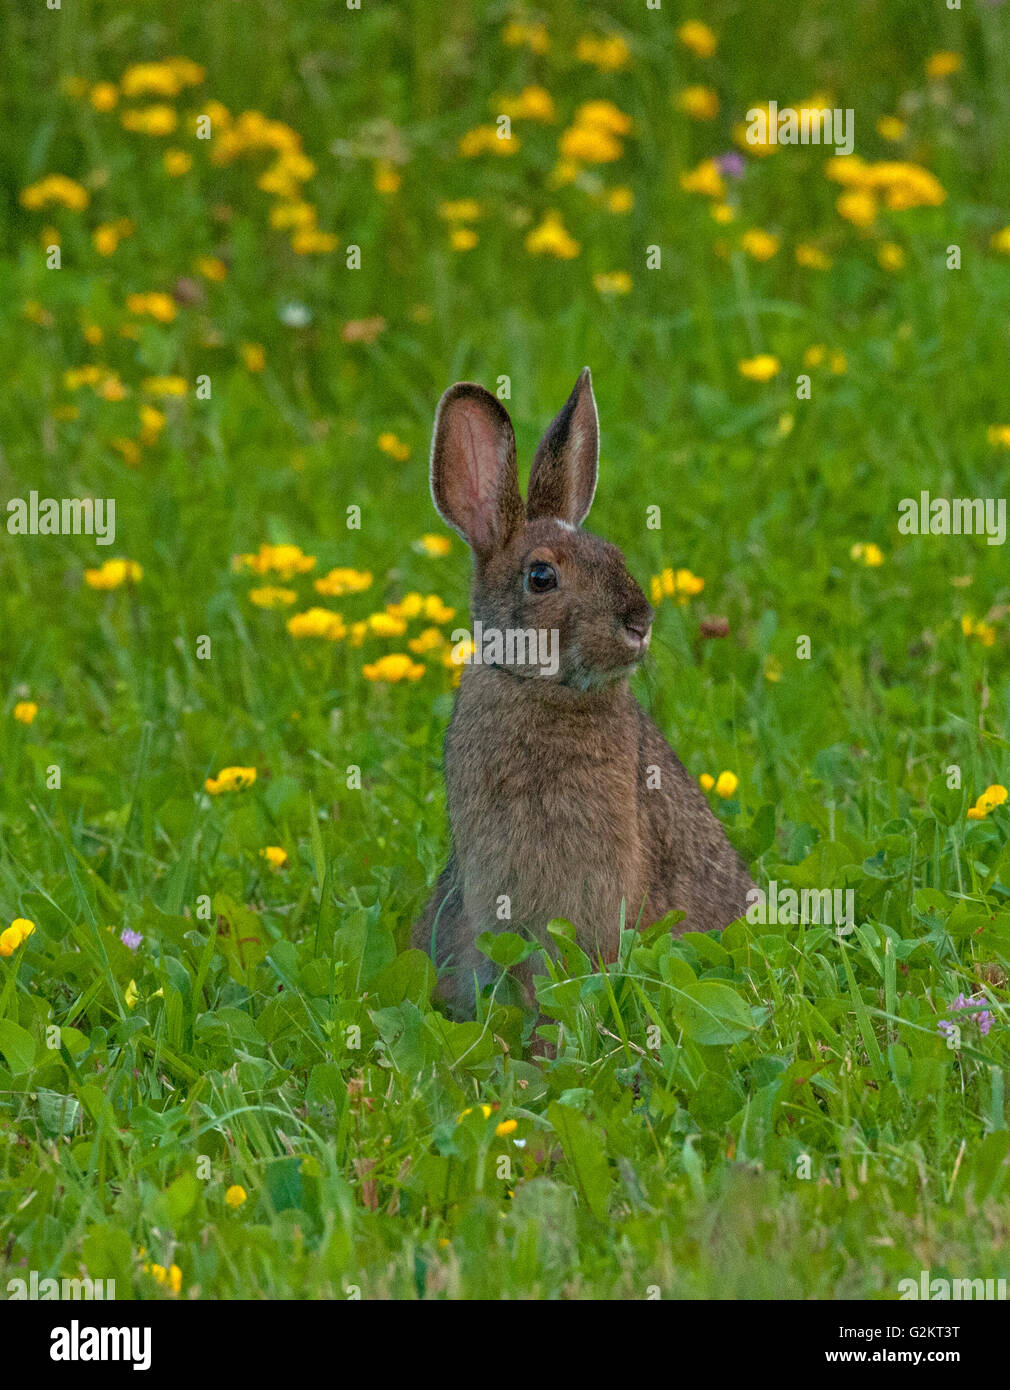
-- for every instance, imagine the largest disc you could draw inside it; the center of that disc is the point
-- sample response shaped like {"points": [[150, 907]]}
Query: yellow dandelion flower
{"points": [[394, 447], [275, 856], [430, 640], [26, 711], [317, 622], [868, 553], [941, 65], [55, 189], [113, 574], [271, 596], [552, 239], [395, 667], [150, 120], [620, 199], [386, 625], [759, 244], [103, 96], [811, 257], [235, 1196], [165, 385], [254, 357], [615, 283], [283, 560], [760, 368], [858, 206], [387, 178], [429, 544], [609, 54], [343, 581], [704, 179], [891, 128], [230, 779], [700, 103], [706, 781], [726, 784], [698, 37]]}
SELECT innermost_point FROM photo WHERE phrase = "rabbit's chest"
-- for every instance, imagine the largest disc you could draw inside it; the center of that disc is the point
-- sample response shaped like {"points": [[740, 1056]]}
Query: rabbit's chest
{"points": [[545, 823]]}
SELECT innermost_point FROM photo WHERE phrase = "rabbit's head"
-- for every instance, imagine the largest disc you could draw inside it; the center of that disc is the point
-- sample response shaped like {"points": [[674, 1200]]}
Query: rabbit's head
{"points": [[536, 571]]}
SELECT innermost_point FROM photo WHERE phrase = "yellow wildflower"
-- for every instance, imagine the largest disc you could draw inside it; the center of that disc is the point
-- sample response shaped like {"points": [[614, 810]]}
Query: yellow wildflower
{"points": [[706, 781], [165, 385], [317, 622], [463, 238], [430, 544], [726, 784], [394, 447], [26, 711], [177, 162], [103, 96], [698, 38], [230, 779], [858, 206], [235, 1196], [386, 625], [386, 178], [58, 189], [532, 36], [150, 120], [461, 210], [616, 282], [113, 574], [397, 666], [532, 104], [868, 553], [343, 581], [760, 368], [700, 103], [270, 596], [941, 65], [759, 244], [551, 239], [275, 856], [430, 640], [811, 257], [253, 355], [704, 179], [157, 305], [891, 128], [282, 560], [620, 199], [609, 54]]}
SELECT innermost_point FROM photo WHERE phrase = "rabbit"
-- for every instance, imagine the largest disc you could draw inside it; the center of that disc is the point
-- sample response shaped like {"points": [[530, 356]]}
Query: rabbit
{"points": [[564, 798]]}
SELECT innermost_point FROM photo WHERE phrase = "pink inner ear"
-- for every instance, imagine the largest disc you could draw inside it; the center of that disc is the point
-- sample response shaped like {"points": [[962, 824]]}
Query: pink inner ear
{"points": [[476, 460]]}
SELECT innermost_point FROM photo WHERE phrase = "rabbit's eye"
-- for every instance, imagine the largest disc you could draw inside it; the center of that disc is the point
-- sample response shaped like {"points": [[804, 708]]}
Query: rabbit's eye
{"points": [[540, 577]]}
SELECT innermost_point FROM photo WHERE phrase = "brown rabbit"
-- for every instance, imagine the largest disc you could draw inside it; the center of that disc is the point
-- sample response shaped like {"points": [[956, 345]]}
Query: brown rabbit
{"points": [[564, 798]]}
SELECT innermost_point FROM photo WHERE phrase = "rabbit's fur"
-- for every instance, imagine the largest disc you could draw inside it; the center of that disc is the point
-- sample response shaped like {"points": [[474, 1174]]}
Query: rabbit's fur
{"points": [[552, 779]]}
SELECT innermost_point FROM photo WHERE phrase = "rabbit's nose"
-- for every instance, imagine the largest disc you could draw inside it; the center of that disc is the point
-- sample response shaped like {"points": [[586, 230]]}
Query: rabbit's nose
{"points": [[637, 633]]}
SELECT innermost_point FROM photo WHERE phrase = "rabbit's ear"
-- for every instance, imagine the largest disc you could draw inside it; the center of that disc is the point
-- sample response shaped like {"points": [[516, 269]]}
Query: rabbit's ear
{"points": [[474, 482], [563, 476]]}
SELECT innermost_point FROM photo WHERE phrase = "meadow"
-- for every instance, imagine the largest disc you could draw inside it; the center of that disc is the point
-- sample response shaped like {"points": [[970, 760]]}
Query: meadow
{"points": [[245, 247]]}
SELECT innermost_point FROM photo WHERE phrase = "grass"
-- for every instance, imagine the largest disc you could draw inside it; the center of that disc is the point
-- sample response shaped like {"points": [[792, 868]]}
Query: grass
{"points": [[767, 1112]]}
